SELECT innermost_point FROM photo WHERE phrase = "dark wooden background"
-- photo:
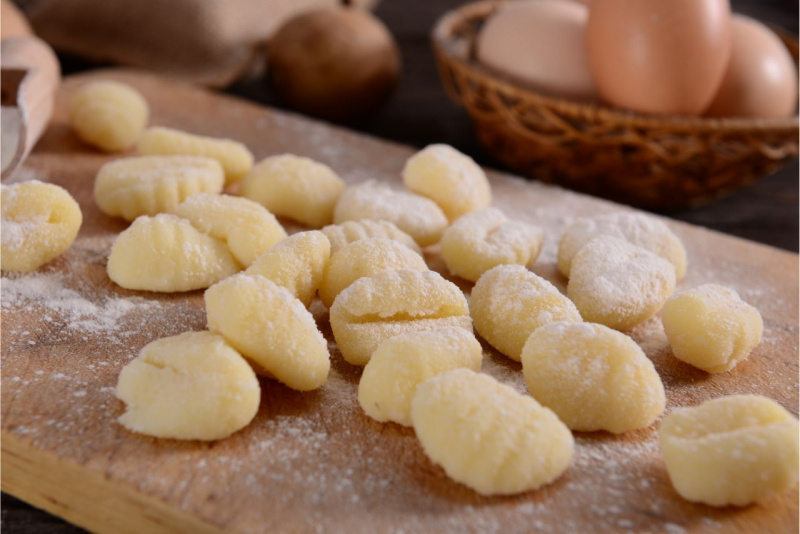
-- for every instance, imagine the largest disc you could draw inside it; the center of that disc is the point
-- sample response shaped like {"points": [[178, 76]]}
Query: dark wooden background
{"points": [[420, 113]]}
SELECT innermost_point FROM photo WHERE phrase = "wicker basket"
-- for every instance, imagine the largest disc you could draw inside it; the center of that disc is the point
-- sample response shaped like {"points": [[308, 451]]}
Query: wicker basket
{"points": [[649, 161]]}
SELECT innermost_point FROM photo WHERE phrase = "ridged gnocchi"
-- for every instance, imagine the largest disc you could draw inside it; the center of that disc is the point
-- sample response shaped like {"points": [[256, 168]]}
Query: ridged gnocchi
{"points": [[390, 303], [190, 386], [294, 187], [401, 363], [341, 234], [592, 377], [149, 185], [108, 115], [39, 222], [246, 227], [416, 215], [365, 257], [711, 327], [617, 284], [487, 436], [487, 238], [449, 178], [509, 302], [297, 263], [235, 158], [271, 328], [166, 253], [733, 450]]}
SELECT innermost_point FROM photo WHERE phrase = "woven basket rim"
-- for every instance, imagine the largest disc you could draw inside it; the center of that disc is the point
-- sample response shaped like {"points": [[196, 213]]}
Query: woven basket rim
{"points": [[444, 43]]}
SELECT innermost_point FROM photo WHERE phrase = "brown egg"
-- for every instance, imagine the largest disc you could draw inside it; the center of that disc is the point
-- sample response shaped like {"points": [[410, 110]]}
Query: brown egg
{"points": [[658, 56], [761, 79]]}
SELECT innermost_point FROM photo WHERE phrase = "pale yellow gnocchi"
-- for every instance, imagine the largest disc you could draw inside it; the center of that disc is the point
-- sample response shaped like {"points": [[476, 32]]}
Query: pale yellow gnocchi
{"points": [[403, 362], [297, 263], [190, 386], [149, 185], [617, 284], [487, 436], [487, 238], [711, 327], [235, 158], [246, 227], [390, 303], [365, 257], [108, 115], [294, 187], [449, 178], [592, 377], [271, 328], [166, 253], [341, 234], [415, 215], [509, 302], [733, 450], [39, 222]]}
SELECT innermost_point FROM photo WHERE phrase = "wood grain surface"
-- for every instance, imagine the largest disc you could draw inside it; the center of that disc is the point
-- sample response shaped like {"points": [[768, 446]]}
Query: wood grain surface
{"points": [[314, 462]]}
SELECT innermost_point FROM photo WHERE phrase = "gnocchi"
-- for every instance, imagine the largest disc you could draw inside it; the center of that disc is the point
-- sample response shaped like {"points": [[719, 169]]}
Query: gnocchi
{"points": [[190, 386], [390, 303], [509, 302], [485, 239], [487, 436], [417, 216], [341, 234], [246, 227], [637, 228], [39, 222], [271, 328], [618, 284], [365, 257], [403, 362], [733, 450], [592, 377], [298, 188], [108, 115], [297, 264], [150, 185], [166, 253], [711, 327], [235, 159], [449, 178]]}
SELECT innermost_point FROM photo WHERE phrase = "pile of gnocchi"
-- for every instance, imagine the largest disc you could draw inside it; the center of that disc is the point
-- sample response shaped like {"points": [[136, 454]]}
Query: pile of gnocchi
{"points": [[410, 328]]}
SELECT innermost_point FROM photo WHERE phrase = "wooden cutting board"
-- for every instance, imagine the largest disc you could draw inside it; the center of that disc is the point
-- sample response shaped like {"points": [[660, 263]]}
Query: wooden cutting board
{"points": [[313, 462]]}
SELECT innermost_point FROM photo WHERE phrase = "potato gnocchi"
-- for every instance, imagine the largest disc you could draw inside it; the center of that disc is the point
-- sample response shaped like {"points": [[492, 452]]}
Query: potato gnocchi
{"points": [[39, 223], [149, 185], [592, 377], [341, 234], [190, 386], [246, 227], [166, 253], [235, 158], [509, 302], [487, 436], [271, 328], [298, 188], [390, 303], [711, 327], [451, 179], [297, 264], [618, 284], [108, 115], [416, 215], [733, 450], [401, 363], [485, 239], [366, 257]]}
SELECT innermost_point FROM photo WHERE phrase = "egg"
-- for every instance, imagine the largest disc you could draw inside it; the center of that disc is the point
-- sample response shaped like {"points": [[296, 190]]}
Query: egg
{"points": [[761, 79], [539, 44], [658, 56]]}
